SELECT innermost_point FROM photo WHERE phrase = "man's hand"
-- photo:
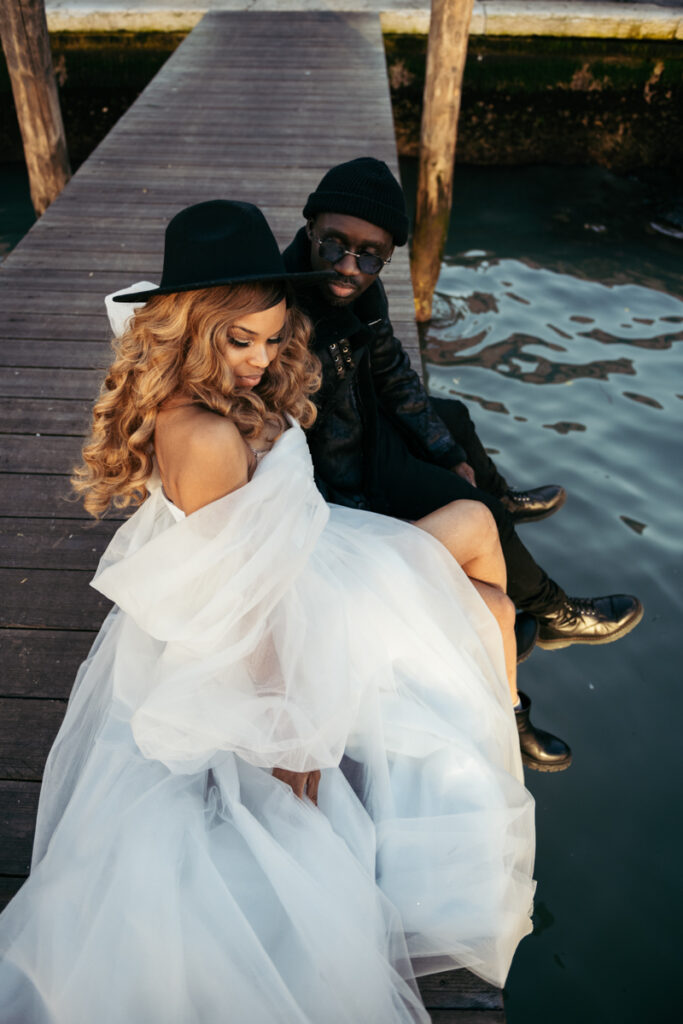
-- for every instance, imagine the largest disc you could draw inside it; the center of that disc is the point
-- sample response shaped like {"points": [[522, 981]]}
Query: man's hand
{"points": [[301, 782], [464, 470]]}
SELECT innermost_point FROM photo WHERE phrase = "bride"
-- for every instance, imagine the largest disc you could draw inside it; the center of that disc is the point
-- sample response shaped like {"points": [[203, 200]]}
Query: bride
{"points": [[288, 780]]}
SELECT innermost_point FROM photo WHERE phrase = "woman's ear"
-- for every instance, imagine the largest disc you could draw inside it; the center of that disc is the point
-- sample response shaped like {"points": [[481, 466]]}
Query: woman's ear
{"points": [[310, 224]]}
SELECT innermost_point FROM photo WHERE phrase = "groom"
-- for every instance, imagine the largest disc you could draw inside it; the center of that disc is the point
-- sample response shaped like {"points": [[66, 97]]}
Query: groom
{"points": [[380, 442]]}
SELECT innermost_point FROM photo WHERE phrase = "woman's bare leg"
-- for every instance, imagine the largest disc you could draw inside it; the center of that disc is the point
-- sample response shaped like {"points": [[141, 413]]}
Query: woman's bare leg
{"points": [[468, 530], [503, 610]]}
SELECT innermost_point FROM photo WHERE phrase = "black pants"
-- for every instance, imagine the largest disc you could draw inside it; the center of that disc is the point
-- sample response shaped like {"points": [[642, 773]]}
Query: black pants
{"points": [[402, 485], [457, 418]]}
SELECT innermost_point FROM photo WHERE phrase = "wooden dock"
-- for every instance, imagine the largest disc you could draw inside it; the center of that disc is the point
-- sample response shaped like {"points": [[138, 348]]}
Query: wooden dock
{"points": [[250, 106]]}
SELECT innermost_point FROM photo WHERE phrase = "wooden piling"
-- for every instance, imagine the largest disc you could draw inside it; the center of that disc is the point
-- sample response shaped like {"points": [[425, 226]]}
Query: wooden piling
{"points": [[25, 40], [447, 49]]}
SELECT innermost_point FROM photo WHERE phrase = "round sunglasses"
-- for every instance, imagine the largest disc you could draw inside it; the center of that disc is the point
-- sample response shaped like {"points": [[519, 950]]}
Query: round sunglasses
{"points": [[333, 252]]}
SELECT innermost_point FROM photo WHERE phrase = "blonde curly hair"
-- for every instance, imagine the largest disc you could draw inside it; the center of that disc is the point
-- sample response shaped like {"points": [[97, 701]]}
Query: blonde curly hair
{"points": [[174, 344]]}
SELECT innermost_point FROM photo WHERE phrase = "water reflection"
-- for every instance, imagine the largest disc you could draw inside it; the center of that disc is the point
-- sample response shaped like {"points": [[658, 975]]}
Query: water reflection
{"points": [[635, 397], [564, 427], [633, 524], [660, 341], [483, 402], [509, 315]]}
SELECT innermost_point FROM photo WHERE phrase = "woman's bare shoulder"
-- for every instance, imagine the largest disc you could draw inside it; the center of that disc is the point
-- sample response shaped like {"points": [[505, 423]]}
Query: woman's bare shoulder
{"points": [[201, 456]]}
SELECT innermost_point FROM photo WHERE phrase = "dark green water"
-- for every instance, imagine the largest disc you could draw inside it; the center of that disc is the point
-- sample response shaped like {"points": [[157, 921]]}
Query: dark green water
{"points": [[16, 212], [559, 317]]}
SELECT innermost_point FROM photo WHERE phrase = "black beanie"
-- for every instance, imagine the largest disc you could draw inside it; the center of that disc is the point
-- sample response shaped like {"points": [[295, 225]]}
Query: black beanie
{"points": [[363, 188]]}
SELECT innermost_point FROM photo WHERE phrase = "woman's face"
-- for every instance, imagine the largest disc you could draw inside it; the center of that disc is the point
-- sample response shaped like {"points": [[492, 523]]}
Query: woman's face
{"points": [[253, 344]]}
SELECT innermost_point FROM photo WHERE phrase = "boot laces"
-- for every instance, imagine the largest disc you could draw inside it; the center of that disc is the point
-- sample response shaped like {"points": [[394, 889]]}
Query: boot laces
{"points": [[519, 497], [582, 606]]}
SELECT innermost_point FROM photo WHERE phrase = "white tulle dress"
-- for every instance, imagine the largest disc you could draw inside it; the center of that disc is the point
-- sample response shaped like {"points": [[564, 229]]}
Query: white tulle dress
{"points": [[174, 879]]}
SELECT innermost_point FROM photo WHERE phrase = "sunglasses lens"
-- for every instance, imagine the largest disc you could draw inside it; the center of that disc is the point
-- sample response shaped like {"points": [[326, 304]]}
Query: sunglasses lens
{"points": [[331, 251], [369, 263]]}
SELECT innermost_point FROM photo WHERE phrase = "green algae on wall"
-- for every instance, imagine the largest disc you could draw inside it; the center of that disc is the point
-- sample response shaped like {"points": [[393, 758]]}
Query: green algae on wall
{"points": [[618, 103]]}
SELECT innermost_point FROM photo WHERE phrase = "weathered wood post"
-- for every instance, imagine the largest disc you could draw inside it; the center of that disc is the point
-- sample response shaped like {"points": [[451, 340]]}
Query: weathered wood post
{"points": [[25, 40], [446, 52]]}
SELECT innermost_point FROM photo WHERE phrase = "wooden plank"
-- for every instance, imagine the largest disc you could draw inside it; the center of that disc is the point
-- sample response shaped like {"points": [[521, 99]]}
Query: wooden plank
{"points": [[27, 731], [41, 662], [182, 142], [9, 886], [32, 382], [50, 298], [36, 453], [144, 263], [41, 353], [455, 990], [227, 104], [206, 130], [40, 497], [18, 808], [38, 325], [49, 599], [45, 416], [269, 180], [161, 191], [130, 268], [85, 217], [92, 287], [54, 543]]}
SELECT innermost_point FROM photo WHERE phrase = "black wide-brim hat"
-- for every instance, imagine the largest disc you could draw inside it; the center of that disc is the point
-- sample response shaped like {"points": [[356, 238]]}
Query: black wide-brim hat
{"points": [[216, 243]]}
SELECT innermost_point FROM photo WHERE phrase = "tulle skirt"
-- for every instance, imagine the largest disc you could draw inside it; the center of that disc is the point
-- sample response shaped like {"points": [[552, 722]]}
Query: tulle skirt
{"points": [[163, 892], [221, 896]]}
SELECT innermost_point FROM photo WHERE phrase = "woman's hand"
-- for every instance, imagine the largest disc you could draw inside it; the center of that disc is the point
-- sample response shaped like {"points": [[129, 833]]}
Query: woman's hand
{"points": [[301, 782]]}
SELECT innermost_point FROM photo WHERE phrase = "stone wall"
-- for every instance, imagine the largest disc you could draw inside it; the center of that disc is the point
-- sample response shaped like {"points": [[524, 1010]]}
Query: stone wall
{"points": [[549, 100], [618, 103]]}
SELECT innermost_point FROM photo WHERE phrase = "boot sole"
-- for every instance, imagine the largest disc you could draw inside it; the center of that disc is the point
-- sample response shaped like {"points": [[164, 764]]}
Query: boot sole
{"points": [[536, 517], [538, 766], [597, 641]]}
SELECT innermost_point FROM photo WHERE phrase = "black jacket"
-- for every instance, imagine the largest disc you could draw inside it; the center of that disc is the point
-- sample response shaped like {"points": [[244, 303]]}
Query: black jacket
{"points": [[368, 385]]}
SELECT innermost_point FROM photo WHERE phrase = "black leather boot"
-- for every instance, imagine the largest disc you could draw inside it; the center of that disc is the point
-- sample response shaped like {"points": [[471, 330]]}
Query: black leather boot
{"points": [[589, 620], [540, 750], [538, 503], [526, 632]]}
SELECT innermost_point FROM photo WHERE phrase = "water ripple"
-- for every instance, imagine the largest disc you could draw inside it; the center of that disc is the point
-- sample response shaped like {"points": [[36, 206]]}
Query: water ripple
{"points": [[506, 356], [509, 316]]}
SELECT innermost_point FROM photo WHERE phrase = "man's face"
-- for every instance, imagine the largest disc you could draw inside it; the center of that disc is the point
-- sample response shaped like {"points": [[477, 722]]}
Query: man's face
{"points": [[356, 236]]}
